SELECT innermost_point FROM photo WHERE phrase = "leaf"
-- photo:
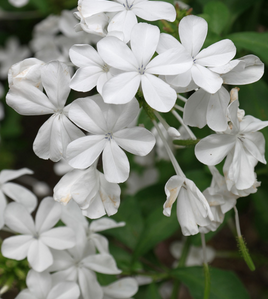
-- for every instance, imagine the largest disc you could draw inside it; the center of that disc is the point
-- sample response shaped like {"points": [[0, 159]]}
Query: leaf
{"points": [[224, 284], [130, 213], [152, 292], [261, 207], [157, 228], [254, 42], [219, 16], [252, 99]]}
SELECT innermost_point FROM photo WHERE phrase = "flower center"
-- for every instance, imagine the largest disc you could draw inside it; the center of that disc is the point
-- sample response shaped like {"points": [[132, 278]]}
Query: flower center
{"points": [[127, 5], [106, 68], [108, 136], [142, 69]]}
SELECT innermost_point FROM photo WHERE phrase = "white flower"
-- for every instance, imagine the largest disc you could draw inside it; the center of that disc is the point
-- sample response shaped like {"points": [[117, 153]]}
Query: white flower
{"points": [[15, 191], [125, 12], [79, 263], [192, 207], [90, 190], [18, 3], [241, 143], [204, 108], [41, 286], [245, 70], [193, 31], [54, 135], [108, 125], [123, 288], [195, 256], [36, 238], [72, 217], [11, 54], [29, 70], [93, 71], [137, 69]]}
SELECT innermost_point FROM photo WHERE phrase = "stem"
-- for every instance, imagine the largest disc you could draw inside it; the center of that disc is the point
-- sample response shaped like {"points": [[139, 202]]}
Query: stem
{"points": [[237, 223], [169, 151], [179, 108], [242, 244], [162, 120], [176, 114], [182, 98], [182, 261], [206, 268], [6, 15]]}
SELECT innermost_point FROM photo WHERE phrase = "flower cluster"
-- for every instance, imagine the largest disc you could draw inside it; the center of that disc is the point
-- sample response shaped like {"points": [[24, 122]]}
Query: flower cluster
{"points": [[127, 67]]}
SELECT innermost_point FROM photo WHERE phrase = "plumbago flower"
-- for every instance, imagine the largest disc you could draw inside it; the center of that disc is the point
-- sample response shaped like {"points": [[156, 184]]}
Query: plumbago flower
{"points": [[204, 108], [54, 135], [242, 145], [79, 265], [36, 238], [41, 286], [108, 125], [193, 32], [90, 190], [15, 191], [192, 207], [93, 71], [125, 12], [72, 217], [137, 69], [124, 288]]}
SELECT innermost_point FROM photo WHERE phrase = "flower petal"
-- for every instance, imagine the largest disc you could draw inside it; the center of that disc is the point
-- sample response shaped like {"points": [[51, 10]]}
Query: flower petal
{"points": [[84, 56], [16, 247], [102, 263], [144, 41], [56, 80], [137, 140], [212, 149], [203, 77], [64, 290], [84, 151], [59, 238], [217, 54], [48, 214], [39, 256], [123, 21], [27, 99], [193, 32], [117, 54], [89, 286], [21, 195], [122, 88], [195, 109], [115, 163], [19, 219], [154, 10], [158, 94], [39, 284], [122, 288], [9, 175]]}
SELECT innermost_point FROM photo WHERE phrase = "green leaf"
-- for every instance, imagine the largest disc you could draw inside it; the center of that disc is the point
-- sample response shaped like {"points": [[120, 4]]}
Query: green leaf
{"points": [[219, 16], [130, 213], [152, 292], [261, 207], [254, 42], [157, 228], [224, 284]]}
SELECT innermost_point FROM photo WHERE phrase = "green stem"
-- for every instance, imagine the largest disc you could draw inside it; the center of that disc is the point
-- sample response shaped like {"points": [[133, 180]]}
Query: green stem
{"points": [[182, 261], [244, 250], [187, 142], [207, 281]]}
